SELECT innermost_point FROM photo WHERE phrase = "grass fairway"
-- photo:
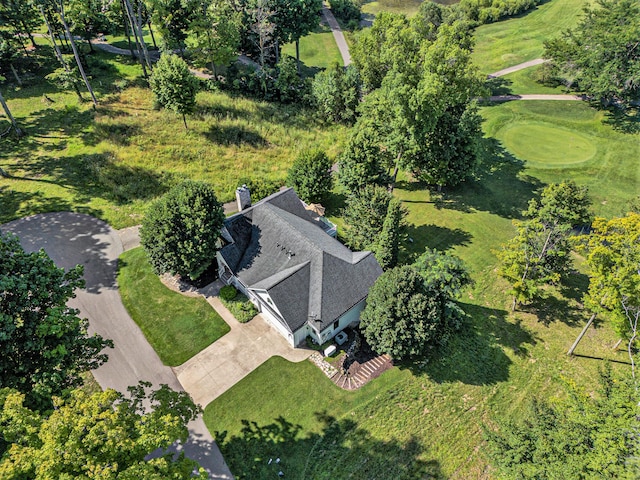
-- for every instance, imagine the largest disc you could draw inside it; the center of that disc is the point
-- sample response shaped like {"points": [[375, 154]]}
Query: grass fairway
{"points": [[427, 419], [177, 327], [516, 40], [562, 140], [112, 162], [318, 50]]}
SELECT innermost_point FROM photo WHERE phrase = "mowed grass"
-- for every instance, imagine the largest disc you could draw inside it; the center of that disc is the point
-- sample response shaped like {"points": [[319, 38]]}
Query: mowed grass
{"points": [[516, 40], [426, 419], [318, 50], [406, 7], [570, 140], [525, 81], [113, 161], [176, 326]]}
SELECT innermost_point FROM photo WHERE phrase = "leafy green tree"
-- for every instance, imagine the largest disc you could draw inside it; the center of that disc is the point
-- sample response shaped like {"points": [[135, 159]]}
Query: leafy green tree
{"points": [[67, 79], [45, 345], [87, 19], [104, 435], [172, 18], [348, 11], [180, 230], [288, 84], [403, 316], [600, 56], [387, 246], [336, 92], [310, 176], [539, 254], [364, 160], [293, 19], [389, 43], [582, 437], [20, 17], [445, 272], [215, 34], [612, 251], [364, 215], [174, 86]]}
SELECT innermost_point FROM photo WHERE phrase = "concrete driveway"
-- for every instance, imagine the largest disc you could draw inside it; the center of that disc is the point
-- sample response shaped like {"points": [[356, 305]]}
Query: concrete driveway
{"points": [[71, 239], [224, 363]]}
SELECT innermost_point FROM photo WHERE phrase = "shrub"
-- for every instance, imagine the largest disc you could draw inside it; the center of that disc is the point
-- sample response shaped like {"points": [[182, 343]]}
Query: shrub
{"points": [[240, 307], [228, 292], [310, 176], [181, 230], [348, 11]]}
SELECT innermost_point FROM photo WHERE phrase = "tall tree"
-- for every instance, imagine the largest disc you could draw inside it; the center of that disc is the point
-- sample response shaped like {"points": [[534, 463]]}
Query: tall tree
{"points": [[87, 19], [180, 230], [387, 246], [20, 17], [174, 86], [364, 215], [612, 251], [263, 27], [7, 112], [310, 176], [294, 19], [337, 92], [585, 436], [172, 18], [45, 346], [215, 33], [104, 435], [404, 317], [76, 55], [601, 55], [540, 252]]}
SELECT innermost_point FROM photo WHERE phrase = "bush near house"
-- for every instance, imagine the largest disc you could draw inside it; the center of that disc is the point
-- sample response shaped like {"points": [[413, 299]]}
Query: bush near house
{"points": [[240, 306]]}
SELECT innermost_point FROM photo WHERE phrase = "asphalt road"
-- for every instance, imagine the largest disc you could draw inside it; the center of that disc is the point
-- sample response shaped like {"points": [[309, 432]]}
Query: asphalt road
{"points": [[71, 239]]}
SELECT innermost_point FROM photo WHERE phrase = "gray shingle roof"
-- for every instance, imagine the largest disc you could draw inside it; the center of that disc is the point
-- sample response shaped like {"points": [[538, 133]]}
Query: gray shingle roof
{"points": [[279, 247]]}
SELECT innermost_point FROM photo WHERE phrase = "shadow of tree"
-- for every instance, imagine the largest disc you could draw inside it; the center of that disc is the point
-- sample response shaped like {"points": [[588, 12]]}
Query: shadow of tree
{"points": [[340, 450], [499, 86], [234, 135], [71, 239], [475, 354], [499, 187], [431, 236], [623, 120], [116, 133]]}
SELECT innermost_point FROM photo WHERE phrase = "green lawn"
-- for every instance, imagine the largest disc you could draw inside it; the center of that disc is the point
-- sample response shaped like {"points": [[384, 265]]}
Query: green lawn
{"points": [[112, 162], [318, 50], [525, 81], [516, 40], [407, 7], [176, 326], [428, 419], [559, 140]]}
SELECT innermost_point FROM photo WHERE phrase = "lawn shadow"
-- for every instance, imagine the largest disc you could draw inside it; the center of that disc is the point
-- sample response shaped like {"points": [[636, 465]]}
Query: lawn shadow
{"points": [[499, 86], [341, 450], [623, 120], [416, 238], [234, 135], [117, 133], [475, 354], [500, 185], [95, 175]]}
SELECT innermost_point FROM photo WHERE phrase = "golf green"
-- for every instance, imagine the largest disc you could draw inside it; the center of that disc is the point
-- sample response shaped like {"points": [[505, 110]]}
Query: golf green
{"points": [[547, 145]]}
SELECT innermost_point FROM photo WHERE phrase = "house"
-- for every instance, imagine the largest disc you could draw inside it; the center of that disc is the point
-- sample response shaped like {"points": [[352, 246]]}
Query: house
{"points": [[284, 259]]}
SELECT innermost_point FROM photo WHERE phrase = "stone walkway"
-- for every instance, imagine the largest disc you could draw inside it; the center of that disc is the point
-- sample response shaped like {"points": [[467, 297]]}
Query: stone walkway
{"points": [[515, 68], [338, 36], [509, 98]]}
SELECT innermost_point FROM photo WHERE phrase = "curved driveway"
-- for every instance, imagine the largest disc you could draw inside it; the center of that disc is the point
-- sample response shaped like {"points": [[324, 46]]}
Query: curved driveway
{"points": [[73, 238]]}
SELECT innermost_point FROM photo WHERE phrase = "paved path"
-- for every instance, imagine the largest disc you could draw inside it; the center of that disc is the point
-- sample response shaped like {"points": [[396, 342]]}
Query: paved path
{"points": [[72, 238], [509, 98], [224, 363], [337, 35], [515, 68]]}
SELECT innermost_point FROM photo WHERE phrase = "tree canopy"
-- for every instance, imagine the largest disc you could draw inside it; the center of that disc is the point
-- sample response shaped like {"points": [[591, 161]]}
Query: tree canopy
{"points": [[174, 86], [600, 56], [539, 254], [310, 176], [364, 215], [104, 435], [45, 345], [411, 310], [582, 437], [180, 230]]}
